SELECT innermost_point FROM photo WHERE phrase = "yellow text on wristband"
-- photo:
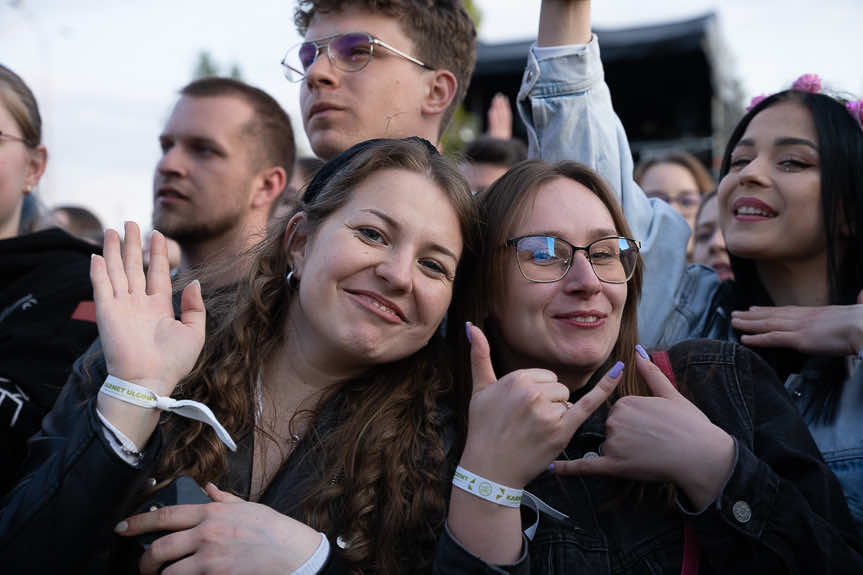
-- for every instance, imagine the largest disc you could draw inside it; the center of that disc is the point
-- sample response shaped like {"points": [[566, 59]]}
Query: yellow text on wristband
{"points": [[141, 396], [486, 489]]}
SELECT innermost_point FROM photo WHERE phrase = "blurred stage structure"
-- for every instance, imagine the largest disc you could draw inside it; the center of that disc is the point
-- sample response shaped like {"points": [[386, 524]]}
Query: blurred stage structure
{"points": [[671, 85]]}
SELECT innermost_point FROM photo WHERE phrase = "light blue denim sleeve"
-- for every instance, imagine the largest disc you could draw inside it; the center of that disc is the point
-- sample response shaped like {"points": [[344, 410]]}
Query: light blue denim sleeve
{"points": [[566, 107]]}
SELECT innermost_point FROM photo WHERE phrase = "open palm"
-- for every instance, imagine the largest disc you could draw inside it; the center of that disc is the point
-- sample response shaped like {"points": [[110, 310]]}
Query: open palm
{"points": [[142, 341]]}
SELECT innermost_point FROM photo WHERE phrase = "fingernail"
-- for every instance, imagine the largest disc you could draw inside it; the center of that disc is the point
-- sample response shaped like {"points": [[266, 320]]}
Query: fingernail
{"points": [[467, 325], [616, 370], [551, 466], [197, 283], [213, 485], [641, 352], [121, 526]]}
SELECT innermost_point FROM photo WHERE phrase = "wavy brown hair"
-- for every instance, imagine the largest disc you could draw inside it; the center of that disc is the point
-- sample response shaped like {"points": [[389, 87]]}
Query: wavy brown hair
{"points": [[501, 206], [383, 456]]}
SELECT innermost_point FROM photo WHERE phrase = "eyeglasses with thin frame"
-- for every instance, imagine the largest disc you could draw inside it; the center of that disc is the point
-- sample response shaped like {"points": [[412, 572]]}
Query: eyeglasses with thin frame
{"points": [[547, 259], [350, 52], [14, 138]]}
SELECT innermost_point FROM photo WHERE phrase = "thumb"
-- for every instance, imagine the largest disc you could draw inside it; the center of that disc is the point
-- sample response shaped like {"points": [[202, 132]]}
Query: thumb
{"points": [[192, 312], [220, 496], [480, 359], [600, 465]]}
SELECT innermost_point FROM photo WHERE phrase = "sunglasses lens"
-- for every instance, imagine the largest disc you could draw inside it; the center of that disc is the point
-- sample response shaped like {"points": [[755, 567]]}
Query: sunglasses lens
{"points": [[307, 54], [351, 51]]}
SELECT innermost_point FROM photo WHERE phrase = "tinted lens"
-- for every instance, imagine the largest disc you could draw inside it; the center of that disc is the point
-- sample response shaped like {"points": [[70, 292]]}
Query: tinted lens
{"points": [[542, 258], [613, 259], [307, 54], [351, 52]]}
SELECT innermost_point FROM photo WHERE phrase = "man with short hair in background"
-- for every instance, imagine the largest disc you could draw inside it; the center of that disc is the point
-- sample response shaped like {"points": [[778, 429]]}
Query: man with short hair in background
{"points": [[372, 69]]}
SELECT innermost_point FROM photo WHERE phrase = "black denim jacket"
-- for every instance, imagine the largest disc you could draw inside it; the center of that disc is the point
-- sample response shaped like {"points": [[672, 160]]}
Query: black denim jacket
{"points": [[781, 510]]}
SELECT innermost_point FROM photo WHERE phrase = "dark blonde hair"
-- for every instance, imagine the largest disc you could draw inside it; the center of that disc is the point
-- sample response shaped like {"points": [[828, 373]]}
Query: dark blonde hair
{"points": [[703, 179], [501, 206], [442, 32], [382, 457]]}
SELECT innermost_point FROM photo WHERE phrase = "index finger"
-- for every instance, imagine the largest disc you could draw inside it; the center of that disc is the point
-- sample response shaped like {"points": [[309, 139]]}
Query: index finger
{"points": [[170, 518], [584, 407], [159, 272]]}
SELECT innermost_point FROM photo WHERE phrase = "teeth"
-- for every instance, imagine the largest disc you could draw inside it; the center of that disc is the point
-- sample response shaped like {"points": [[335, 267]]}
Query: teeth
{"points": [[382, 307], [586, 319], [753, 211]]}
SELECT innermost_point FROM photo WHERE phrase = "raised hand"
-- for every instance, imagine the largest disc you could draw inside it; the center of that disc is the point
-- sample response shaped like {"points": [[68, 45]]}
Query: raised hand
{"points": [[661, 438], [520, 423], [827, 330], [500, 117], [142, 341], [229, 535]]}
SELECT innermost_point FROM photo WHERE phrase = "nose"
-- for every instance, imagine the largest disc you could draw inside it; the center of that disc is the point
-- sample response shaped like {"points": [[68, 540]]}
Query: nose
{"points": [[321, 72], [717, 241], [171, 163], [754, 172], [397, 269], [580, 278]]}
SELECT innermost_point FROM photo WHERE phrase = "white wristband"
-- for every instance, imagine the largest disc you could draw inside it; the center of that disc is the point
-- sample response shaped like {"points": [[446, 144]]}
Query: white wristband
{"points": [[486, 489], [141, 396]]}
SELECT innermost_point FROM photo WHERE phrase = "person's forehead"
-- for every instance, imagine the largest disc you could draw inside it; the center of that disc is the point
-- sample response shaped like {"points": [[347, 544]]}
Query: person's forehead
{"points": [[215, 117], [357, 19]]}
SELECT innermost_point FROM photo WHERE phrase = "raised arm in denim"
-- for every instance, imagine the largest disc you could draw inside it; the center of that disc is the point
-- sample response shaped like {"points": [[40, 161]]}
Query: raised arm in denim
{"points": [[566, 106]]}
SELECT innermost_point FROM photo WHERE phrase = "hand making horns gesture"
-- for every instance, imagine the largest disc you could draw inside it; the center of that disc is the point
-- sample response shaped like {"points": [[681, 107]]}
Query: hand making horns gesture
{"points": [[519, 423]]}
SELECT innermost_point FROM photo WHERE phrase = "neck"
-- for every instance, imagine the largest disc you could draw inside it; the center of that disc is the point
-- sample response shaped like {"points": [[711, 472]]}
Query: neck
{"points": [[221, 253], [801, 283], [9, 227]]}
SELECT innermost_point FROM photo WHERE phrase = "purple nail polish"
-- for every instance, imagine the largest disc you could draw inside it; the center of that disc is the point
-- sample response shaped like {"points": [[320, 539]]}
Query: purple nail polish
{"points": [[615, 371], [551, 466], [642, 352], [467, 331]]}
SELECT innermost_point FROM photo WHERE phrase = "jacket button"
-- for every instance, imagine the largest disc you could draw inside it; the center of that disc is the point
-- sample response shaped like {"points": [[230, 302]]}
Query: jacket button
{"points": [[590, 455], [741, 511]]}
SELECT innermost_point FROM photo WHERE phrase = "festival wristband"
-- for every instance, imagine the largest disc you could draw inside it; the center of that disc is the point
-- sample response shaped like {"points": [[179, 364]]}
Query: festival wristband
{"points": [[143, 397], [486, 489]]}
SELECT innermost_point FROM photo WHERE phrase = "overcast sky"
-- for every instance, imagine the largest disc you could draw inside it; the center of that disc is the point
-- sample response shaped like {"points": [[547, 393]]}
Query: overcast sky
{"points": [[106, 72]]}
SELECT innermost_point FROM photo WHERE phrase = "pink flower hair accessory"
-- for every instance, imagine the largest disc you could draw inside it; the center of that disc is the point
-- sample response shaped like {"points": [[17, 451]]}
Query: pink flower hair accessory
{"points": [[807, 83], [755, 101], [856, 111]]}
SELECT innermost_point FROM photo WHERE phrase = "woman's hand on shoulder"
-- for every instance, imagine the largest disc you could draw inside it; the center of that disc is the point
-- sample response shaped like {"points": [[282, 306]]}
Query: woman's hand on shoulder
{"points": [[142, 341], [519, 423], [827, 330], [664, 437], [229, 535]]}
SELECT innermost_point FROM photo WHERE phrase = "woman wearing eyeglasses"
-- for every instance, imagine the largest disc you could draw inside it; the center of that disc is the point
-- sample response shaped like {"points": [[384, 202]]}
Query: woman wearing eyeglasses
{"points": [[628, 472], [46, 318]]}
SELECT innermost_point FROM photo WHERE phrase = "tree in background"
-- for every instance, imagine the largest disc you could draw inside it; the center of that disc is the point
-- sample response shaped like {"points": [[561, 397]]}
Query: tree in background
{"points": [[207, 66], [464, 126]]}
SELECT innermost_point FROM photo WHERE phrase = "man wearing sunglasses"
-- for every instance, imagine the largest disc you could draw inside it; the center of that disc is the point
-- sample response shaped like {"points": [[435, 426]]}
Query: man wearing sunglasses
{"points": [[396, 69]]}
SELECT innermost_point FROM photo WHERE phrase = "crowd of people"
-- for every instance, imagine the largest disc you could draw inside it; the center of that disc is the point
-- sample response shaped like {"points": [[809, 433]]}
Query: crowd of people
{"points": [[388, 361]]}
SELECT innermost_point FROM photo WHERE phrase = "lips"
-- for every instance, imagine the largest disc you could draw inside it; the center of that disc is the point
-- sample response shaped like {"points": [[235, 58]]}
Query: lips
{"points": [[723, 270], [379, 304], [588, 318], [752, 209], [170, 194], [322, 107]]}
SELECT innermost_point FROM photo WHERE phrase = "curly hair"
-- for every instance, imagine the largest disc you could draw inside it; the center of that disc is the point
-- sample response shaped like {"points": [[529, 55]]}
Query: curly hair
{"points": [[382, 457], [442, 32]]}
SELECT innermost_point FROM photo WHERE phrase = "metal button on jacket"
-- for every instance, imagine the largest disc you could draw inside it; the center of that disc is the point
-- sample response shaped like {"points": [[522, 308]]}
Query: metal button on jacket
{"points": [[742, 512]]}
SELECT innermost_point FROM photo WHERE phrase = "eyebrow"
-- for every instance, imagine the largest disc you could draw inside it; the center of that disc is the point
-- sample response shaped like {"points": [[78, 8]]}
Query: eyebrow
{"points": [[595, 233], [391, 222], [779, 142]]}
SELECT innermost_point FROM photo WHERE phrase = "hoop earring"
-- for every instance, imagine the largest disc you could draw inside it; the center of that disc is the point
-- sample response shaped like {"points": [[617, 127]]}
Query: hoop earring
{"points": [[292, 280], [27, 190]]}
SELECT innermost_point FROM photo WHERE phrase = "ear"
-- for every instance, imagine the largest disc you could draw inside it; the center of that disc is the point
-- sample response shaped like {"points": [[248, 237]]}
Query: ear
{"points": [[297, 241], [440, 91], [36, 165], [269, 184]]}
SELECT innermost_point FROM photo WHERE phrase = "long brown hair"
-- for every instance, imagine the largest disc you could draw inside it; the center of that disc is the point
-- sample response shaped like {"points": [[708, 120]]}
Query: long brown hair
{"points": [[381, 463], [501, 206]]}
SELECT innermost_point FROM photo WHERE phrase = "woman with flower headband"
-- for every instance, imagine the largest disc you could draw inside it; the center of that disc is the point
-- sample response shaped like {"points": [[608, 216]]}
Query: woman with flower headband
{"points": [[790, 203]]}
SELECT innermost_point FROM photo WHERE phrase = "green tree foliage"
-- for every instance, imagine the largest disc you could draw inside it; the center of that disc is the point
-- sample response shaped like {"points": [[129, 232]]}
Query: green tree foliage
{"points": [[464, 126], [207, 66]]}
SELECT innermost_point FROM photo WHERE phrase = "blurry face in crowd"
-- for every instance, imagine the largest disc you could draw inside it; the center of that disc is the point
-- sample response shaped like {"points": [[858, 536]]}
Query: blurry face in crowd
{"points": [[770, 200], [204, 181], [709, 244], [376, 277], [481, 175], [573, 324], [383, 100], [19, 167], [676, 185]]}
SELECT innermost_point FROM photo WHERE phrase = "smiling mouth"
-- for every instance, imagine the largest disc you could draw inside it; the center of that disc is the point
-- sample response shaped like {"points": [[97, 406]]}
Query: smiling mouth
{"points": [[583, 320], [380, 306], [754, 211]]}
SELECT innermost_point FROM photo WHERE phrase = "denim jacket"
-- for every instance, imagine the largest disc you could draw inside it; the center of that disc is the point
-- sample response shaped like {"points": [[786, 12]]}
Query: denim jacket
{"points": [[780, 511], [566, 106]]}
